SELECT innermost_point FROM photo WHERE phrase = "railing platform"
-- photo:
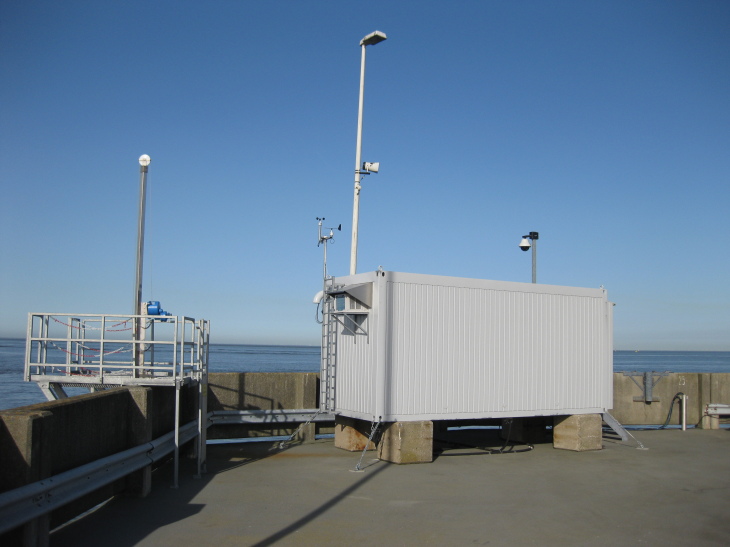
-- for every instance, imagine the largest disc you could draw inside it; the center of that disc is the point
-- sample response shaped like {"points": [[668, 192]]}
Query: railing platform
{"points": [[96, 351]]}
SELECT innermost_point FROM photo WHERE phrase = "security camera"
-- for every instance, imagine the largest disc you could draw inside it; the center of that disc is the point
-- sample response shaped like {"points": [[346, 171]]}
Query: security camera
{"points": [[371, 167], [525, 244]]}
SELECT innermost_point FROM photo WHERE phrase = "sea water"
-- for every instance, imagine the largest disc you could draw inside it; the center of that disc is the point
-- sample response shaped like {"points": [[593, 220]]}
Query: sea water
{"points": [[14, 391]]}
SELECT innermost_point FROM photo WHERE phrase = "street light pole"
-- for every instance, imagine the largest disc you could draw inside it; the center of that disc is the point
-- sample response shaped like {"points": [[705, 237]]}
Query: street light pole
{"points": [[144, 161], [369, 40]]}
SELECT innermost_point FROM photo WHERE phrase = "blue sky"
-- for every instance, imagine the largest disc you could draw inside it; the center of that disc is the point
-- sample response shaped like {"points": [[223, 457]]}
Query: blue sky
{"points": [[604, 126]]}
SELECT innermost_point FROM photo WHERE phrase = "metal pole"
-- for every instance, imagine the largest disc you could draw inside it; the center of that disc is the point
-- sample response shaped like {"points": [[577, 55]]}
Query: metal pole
{"points": [[140, 240], [144, 162], [358, 152], [534, 260]]}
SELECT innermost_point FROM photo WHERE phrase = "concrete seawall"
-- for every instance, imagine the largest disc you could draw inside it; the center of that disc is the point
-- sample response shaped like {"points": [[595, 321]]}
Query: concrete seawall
{"points": [[631, 408], [262, 391], [43, 440], [40, 441]]}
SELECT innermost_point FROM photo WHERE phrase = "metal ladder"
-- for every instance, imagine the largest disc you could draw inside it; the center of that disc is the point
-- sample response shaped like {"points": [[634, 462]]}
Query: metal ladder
{"points": [[329, 356]]}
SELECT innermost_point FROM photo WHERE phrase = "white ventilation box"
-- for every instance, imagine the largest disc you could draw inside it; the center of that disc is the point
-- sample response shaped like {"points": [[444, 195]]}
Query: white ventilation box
{"points": [[407, 347]]}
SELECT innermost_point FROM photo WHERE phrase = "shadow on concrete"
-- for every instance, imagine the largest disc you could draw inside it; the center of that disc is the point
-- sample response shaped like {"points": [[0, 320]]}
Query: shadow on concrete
{"points": [[323, 508], [127, 521], [475, 442], [227, 455]]}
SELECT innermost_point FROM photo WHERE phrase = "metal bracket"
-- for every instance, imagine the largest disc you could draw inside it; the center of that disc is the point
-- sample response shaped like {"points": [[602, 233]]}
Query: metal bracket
{"points": [[346, 319], [52, 390], [649, 383]]}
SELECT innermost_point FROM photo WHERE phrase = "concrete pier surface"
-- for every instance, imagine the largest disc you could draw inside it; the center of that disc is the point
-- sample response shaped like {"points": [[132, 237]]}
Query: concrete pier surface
{"points": [[675, 493]]}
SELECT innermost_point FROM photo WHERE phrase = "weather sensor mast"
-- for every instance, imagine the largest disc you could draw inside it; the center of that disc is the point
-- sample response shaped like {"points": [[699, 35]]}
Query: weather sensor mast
{"points": [[322, 240]]}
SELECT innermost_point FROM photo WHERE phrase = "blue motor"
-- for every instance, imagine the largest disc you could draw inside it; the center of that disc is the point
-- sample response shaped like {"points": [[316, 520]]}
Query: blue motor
{"points": [[154, 308]]}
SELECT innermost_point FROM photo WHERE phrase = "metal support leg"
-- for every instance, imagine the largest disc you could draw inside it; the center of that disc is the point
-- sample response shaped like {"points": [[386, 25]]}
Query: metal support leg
{"points": [[177, 434], [52, 391]]}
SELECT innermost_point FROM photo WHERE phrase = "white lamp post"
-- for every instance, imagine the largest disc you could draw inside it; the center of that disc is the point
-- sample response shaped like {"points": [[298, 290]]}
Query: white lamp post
{"points": [[144, 161], [525, 245], [369, 40]]}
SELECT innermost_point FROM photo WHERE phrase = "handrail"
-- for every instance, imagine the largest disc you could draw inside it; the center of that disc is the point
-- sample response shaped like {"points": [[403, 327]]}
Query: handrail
{"points": [[107, 349]]}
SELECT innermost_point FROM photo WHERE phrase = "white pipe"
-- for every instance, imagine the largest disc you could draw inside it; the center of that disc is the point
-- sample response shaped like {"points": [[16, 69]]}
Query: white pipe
{"points": [[684, 412]]}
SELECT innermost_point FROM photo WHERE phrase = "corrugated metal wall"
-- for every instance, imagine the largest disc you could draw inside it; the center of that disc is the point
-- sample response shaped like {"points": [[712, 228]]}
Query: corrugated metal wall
{"points": [[459, 348], [355, 389]]}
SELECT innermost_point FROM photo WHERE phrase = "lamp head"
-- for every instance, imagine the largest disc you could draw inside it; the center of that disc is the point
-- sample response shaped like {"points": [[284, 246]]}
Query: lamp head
{"points": [[373, 38], [144, 160]]}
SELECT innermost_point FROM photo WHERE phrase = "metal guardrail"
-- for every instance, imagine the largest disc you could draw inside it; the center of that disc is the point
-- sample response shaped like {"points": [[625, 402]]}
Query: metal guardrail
{"points": [[282, 416], [31, 501], [717, 409]]}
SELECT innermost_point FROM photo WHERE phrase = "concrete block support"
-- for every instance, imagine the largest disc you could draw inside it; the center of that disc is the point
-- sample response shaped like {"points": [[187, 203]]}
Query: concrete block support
{"points": [[139, 483], [579, 432], [307, 433], [26, 457], [352, 435], [407, 442]]}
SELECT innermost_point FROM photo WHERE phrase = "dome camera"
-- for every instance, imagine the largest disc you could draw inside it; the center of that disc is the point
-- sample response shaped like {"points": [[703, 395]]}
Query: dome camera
{"points": [[525, 244]]}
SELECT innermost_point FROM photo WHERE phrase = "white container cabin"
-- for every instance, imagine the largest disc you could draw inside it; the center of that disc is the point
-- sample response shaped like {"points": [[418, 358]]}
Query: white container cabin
{"points": [[410, 347]]}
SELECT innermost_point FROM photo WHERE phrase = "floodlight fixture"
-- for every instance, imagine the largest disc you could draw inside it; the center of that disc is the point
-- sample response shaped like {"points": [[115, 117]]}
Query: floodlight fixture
{"points": [[373, 38], [371, 167]]}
